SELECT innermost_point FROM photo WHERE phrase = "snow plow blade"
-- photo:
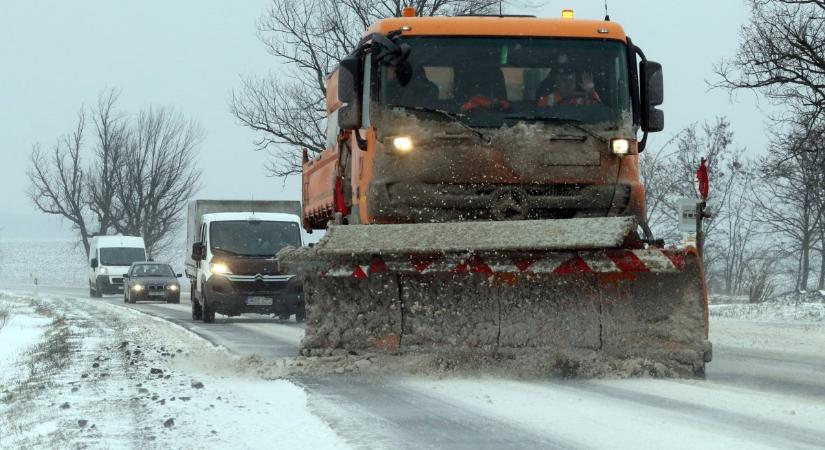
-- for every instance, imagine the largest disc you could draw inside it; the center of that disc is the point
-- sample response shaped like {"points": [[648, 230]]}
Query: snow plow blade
{"points": [[564, 293]]}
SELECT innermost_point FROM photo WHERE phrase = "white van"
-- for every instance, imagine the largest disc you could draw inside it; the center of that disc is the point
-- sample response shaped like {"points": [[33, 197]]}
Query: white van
{"points": [[109, 259]]}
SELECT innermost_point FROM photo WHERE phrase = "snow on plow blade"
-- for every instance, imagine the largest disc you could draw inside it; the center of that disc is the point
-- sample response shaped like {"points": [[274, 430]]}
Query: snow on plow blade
{"points": [[562, 291]]}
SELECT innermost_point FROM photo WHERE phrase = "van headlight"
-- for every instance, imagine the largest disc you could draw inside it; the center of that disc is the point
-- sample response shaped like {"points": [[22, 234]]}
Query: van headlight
{"points": [[137, 287], [221, 268], [172, 287], [620, 146], [103, 271]]}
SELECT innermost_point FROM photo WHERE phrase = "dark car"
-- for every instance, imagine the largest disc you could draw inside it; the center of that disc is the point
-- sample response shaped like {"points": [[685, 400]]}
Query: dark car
{"points": [[151, 281]]}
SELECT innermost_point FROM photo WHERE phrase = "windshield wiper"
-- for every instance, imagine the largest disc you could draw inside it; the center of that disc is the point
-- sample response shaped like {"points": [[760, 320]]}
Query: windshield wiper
{"points": [[457, 118], [573, 123], [219, 249]]}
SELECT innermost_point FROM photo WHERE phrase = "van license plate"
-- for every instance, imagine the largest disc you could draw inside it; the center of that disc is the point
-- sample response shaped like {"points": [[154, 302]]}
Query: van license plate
{"points": [[259, 301]]}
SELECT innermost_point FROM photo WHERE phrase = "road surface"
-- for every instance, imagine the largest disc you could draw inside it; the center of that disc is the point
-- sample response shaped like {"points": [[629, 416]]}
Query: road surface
{"points": [[764, 389]]}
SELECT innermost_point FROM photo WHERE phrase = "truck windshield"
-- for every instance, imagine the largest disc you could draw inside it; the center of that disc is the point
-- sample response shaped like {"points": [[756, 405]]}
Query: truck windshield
{"points": [[253, 238], [493, 81], [121, 256]]}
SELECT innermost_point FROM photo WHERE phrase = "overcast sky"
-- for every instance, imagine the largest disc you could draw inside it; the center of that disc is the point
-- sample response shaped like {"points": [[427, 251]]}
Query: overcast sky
{"points": [[57, 55]]}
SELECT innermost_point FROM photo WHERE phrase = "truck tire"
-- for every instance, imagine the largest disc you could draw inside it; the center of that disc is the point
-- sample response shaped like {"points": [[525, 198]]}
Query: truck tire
{"points": [[207, 312], [197, 312], [95, 292], [284, 316]]}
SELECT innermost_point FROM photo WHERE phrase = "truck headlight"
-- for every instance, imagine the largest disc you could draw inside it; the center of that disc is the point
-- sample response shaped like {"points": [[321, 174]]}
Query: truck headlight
{"points": [[220, 268], [620, 146], [172, 287], [137, 287], [103, 271], [403, 144]]}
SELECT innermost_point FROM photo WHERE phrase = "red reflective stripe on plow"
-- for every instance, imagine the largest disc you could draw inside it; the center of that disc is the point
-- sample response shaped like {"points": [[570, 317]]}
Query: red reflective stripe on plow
{"points": [[462, 267], [523, 263], [422, 262], [676, 257], [626, 261], [359, 272], [572, 266], [378, 266], [479, 266]]}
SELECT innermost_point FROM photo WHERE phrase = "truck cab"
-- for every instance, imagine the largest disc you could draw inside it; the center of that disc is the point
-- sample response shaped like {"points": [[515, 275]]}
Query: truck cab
{"points": [[235, 270], [109, 259], [450, 119]]}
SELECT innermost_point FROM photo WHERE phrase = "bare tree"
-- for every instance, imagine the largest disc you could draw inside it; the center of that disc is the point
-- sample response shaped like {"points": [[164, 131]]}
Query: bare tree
{"points": [[57, 180], [110, 130], [139, 175], [308, 38], [782, 55], [669, 175], [789, 200], [157, 176]]}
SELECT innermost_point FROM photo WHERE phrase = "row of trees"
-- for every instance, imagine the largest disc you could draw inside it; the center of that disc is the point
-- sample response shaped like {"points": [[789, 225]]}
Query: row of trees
{"points": [[119, 174], [769, 225]]}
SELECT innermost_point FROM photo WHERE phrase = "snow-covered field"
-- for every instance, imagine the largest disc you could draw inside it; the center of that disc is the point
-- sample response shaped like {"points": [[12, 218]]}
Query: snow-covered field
{"points": [[56, 263], [75, 377]]}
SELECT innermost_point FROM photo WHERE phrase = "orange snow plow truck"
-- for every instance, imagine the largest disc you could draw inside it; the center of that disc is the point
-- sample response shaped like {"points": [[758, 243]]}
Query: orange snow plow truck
{"points": [[481, 195]]}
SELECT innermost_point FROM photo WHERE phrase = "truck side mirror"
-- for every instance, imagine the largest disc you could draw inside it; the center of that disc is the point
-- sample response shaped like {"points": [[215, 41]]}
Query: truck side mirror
{"points": [[93, 263], [198, 251], [349, 92], [652, 95]]}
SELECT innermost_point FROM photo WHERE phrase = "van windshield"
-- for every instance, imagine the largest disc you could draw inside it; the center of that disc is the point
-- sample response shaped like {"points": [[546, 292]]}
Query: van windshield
{"points": [[253, 238], [121, 256]]}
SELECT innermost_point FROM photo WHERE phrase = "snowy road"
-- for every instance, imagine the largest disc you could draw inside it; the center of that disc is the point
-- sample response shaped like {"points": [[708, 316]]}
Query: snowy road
{"points": [[765, 389]]}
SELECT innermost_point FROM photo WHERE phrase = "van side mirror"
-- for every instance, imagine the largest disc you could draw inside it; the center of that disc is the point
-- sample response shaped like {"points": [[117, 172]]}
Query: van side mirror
{"points": [[349, 92], [93, 263], [652, 95], [198, 251], [178, 275]]}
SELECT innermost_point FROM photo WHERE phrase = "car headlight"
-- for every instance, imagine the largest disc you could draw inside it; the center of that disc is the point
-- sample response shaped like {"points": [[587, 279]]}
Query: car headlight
{"points": [[172, 287], [220, 268], [402, 144], [137, 287], [620, 146], [103, 271]]}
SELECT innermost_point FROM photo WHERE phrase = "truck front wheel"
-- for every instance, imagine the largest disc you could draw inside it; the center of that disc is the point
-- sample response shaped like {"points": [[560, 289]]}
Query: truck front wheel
{"points": [[197, 312], [207, 312]]}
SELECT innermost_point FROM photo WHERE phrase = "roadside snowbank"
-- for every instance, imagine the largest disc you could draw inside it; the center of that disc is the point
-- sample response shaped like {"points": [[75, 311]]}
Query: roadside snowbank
{"points": [[772, 311], [150, 386]]}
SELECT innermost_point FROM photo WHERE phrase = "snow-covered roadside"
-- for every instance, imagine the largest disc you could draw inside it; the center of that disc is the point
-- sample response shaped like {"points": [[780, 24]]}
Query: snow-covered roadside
{"points": [[116, 385], [771, 311]]}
